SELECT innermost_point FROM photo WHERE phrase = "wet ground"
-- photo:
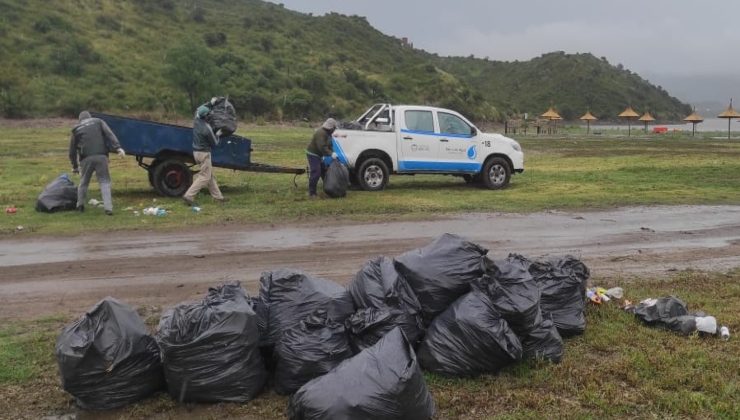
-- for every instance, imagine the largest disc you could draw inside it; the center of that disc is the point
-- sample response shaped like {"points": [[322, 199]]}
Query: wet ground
{"points": [[48, 276]]}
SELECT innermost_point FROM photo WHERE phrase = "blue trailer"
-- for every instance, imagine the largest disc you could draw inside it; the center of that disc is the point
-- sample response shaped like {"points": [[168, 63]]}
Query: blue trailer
{"points": [[166, 152]]}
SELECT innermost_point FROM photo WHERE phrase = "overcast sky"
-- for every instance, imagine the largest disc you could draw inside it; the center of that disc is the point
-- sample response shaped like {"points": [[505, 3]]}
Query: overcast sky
{"points": [[691, 47]]}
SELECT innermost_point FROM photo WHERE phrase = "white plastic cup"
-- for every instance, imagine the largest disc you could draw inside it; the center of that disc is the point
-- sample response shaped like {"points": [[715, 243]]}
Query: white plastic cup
{"points": [[724, 332]]}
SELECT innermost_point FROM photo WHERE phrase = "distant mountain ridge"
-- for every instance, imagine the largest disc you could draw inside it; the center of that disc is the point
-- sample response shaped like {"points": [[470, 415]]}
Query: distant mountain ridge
{"points": [[149, 57]]}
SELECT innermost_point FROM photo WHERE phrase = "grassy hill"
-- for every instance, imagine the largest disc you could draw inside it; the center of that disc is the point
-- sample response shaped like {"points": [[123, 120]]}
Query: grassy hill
{"points": [[160, 57]]}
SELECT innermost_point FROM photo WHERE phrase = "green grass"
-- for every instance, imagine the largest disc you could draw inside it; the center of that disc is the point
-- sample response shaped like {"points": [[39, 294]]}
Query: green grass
{"points": [[560, 173], [618, 369]]}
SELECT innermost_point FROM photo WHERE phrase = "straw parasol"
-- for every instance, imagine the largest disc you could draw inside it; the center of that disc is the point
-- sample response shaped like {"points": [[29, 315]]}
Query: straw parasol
{"points": [[647, 119], [694, 119], [629, 114], [729, 113], [551, 115], [588, 117]]}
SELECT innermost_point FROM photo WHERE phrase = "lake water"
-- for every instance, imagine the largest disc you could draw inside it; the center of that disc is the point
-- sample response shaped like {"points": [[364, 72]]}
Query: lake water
{"points": [[710, 124]]}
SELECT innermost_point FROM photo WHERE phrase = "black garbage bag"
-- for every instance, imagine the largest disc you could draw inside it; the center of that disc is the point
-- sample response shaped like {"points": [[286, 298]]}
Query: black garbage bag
{"points": [[288, 296], [222, 116], [107, 359], [210, 348], [543, 342], [310, 349], [515, 294], [562, 282], [59, 195], [442, 271], [669, 312], [368, 325], [382, 382], [469, 338], [378, 286], [336, 180]]}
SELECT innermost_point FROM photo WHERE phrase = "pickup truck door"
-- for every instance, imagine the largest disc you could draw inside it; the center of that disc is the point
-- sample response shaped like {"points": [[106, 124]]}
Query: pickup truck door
{"points": [[418, 142], [458, 149]]}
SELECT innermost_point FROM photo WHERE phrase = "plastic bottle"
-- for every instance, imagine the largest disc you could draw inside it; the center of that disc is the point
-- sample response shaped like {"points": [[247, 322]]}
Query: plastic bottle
{"points": [[724, 332]]}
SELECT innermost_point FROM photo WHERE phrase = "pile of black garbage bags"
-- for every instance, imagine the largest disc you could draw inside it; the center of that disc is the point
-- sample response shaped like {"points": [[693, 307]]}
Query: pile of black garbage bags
{"points": [[355, 352]]}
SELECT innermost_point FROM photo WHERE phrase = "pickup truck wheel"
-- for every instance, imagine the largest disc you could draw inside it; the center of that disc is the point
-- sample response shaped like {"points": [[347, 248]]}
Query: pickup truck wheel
{"points": [[172, 178], [496, 173], [373, 174]]}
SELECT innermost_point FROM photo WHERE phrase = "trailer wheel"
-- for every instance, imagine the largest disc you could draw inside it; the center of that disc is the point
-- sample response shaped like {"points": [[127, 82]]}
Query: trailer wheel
{"points": [[172, 178]]}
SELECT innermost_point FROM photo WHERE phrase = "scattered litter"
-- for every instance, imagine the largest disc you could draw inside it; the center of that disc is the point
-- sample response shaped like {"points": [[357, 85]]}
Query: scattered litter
{"points": [[646, 229], [128, 209], [155, 211], [136, 213], [724, 333], [11, 210], [19, 228], [615, 293], [95, 202], [195, 209], [107, 359], [672, 313]]}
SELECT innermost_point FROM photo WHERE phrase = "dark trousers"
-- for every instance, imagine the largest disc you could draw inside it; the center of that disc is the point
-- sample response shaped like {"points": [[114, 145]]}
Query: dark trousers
{"points": [[316, 170]]}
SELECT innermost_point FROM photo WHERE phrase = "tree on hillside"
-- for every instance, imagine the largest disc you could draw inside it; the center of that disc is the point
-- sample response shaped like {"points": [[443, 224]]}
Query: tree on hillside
{"points": [[192, 68]]}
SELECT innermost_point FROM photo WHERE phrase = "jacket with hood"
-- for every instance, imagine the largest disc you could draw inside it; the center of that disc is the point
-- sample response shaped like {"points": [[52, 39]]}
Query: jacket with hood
{"points": [[90, 137], [203, 136]]}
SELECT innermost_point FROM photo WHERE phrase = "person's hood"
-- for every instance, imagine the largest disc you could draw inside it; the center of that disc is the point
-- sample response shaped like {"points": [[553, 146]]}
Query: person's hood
{"points": [[84, 115]]}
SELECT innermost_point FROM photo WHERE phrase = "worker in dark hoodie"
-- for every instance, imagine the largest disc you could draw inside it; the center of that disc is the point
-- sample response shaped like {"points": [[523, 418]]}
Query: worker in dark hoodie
{"points": [[89, 144], [319, 148]]}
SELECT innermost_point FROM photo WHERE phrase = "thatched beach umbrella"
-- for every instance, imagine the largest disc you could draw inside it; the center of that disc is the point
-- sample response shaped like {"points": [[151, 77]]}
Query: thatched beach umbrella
{"points": [[647, 119], [588, 117], [694, 119], [551, 115], [729, 113], [629, 114]]}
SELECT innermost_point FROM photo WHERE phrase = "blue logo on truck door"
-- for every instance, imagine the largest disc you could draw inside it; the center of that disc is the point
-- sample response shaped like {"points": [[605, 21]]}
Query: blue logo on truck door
{"points": [[472, 152]]}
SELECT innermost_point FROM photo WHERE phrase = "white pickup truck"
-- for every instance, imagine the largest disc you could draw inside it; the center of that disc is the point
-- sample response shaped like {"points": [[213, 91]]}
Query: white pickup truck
{"points": [[409, 140]]}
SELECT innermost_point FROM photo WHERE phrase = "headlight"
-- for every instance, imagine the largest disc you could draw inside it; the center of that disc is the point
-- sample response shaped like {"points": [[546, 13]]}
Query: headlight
{"points": [[516, 146]]}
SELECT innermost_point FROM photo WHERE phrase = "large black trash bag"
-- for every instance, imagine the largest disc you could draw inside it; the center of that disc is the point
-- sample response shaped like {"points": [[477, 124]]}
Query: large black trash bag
{"points": [[382, 382], [563, 285], [311, 349], [210, 348], [669, 312], [222, 116], [107, 358], [288, 296], [515, 294], [385, 300], [368, 325], [59, 195], [469, 338], [336, 180], [442, 271], [543, 342]]}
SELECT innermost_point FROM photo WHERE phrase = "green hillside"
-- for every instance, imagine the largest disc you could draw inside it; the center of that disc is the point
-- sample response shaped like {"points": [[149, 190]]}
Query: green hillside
{"points": [[160, 57]]}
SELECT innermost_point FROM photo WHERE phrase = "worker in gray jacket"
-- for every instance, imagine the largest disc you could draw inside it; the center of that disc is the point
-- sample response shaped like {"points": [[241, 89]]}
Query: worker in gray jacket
{"points": [[90, 142], [204, 139], [319, 148]]}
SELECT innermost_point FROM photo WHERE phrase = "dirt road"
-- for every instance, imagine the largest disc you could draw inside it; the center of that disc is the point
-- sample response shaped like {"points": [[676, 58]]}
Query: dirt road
{"points": [[47, 276]]}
